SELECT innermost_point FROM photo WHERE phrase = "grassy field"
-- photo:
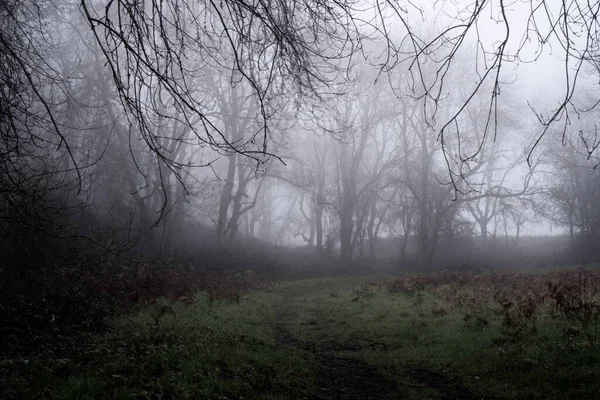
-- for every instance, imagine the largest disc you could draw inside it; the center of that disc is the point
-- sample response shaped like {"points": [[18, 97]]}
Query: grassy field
{"points": [[442, 336]]}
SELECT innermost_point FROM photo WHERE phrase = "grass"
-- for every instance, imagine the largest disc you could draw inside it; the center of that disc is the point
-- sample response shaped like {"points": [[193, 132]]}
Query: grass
{"points": [[198, 351], [400, 334], [270, 347]]}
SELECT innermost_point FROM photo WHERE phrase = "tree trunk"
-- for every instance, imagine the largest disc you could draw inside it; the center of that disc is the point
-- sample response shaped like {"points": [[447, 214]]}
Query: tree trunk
{"points": [[319, 227], [403, 248], [224, 203], [346, 227], [483, 226]]}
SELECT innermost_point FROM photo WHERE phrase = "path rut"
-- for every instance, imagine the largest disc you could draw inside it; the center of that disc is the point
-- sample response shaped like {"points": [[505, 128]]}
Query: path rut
{"points": [[347, 378]]}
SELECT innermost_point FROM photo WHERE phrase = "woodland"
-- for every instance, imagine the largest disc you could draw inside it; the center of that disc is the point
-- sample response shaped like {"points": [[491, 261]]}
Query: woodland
{"points": [[297, 199]]}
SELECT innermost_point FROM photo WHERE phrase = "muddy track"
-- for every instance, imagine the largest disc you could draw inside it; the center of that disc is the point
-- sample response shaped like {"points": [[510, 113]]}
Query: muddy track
{"points": [[343, 378], [446, 387]]}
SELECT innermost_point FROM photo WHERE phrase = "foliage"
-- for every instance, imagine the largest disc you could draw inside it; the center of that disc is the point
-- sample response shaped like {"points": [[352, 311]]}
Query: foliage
{"points": [[520, 298], [442, 335], [47, 307], [200, 350], [44, 308]]}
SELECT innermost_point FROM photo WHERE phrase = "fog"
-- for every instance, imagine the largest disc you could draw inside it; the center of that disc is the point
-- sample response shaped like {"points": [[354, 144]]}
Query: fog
{"points": [[175, 130], [175, 175]]}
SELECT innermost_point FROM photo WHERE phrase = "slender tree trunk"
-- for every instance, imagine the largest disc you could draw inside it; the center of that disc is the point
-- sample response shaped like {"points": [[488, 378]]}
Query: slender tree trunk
{"points": [[319, 227], [346, 227], [236, 209], [403, 248], [517, 235], [483, 226], [372, 235], [311, 232], [347, 204], [571, 230], [224, 203]]}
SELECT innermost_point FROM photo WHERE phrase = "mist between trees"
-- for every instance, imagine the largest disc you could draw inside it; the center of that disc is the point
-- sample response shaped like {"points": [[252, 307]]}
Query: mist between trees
{"points": [[381, 130]]}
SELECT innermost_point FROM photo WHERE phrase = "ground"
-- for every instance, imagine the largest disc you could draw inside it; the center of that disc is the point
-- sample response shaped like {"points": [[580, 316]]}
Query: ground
{"points": [[334, 338], [300, 314]]}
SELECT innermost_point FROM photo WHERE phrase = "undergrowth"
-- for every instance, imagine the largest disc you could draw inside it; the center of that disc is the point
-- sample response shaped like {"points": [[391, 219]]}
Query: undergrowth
{"points": [[200, 350], [442, 335]]}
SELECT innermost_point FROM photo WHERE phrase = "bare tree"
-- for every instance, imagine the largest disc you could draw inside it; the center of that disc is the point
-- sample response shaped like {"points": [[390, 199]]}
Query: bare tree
{"points": [[573, 196]]}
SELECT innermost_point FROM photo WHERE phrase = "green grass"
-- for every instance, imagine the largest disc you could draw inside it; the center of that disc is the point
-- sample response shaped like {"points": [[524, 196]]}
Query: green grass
{"points": [[200, 351], [394, 333], [268, 347]]}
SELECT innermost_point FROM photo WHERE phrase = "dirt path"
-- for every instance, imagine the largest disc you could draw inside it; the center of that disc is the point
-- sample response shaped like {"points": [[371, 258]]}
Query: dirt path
{"points": [[347, 378], [342, 378]]}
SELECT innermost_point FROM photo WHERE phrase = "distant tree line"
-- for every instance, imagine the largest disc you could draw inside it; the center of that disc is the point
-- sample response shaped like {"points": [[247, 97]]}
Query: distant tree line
{"points": [[160, 126]]}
